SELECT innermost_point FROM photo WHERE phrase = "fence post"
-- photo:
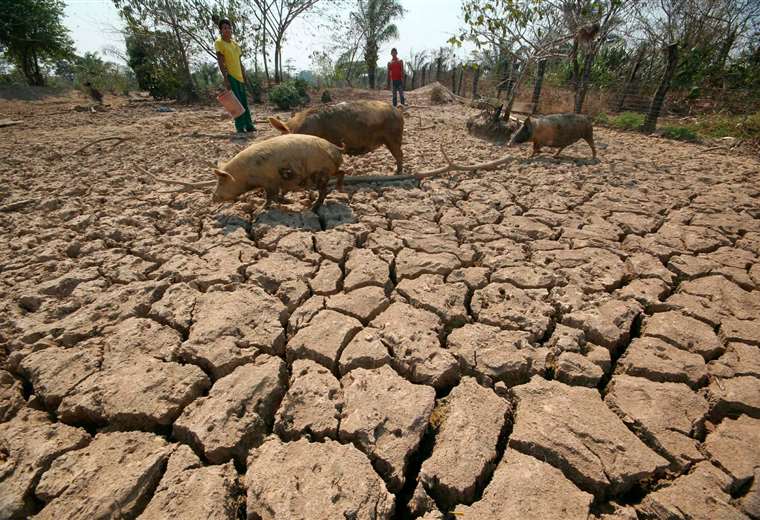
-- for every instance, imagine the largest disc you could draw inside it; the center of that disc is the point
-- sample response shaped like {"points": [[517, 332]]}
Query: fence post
{"points": [[537, 87], [475, 79], [627, 86], [659, 97]]}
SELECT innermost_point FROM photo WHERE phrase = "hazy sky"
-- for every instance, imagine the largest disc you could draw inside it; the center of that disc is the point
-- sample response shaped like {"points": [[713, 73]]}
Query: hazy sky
{"points": [[427, 24]]}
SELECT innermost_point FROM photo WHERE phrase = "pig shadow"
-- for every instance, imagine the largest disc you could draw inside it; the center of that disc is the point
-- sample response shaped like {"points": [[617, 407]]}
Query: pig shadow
{"points": [[231, 223], [332, 214]]}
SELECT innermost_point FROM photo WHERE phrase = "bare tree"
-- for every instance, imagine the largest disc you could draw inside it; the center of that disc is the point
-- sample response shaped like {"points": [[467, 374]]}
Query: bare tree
{"points": [[522, 31], [275, 17], [590, 22], [669, 24], [416, 63]]}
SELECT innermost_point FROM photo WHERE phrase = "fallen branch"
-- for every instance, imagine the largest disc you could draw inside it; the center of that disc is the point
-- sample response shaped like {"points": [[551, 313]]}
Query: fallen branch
{"points": [[8, 122], [722, 148], [118, 140], [13, 206], [186, 186], [451, 166]]}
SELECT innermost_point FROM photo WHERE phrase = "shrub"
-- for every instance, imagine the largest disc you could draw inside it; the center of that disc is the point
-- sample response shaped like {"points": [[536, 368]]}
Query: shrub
{"points": [[255, 86], [284, 96], [602, 118], [289, 94], [680, 133], [628, 120], [301, 85], [326, 97]]}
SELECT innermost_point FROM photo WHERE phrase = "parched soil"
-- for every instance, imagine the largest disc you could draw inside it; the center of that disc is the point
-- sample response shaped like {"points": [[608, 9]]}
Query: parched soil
{"points": [[556, 338]]}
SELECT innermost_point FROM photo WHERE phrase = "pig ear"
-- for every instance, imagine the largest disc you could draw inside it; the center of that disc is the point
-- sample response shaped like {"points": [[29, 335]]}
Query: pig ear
{"points": [[279, 125], [223, 175]]}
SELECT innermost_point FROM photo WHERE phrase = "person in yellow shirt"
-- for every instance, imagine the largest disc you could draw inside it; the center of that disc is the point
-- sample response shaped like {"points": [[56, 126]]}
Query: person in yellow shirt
{"points": [[233, 73]]}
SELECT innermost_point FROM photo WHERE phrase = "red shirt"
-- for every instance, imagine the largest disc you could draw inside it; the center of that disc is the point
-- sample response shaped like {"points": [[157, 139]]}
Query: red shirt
{"points": [[396, 68]]}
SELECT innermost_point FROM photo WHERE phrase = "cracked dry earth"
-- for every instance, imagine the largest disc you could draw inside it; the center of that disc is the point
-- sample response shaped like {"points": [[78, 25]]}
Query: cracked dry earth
{"points": [[553, 339]]}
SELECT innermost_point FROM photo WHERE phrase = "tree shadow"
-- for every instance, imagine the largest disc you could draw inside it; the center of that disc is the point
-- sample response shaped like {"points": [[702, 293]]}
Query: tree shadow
{"points": [[28, 93]]}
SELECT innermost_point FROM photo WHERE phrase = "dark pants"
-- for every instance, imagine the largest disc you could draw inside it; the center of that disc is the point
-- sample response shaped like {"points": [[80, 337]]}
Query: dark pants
{"points": [[243, 123], [398, 86]]}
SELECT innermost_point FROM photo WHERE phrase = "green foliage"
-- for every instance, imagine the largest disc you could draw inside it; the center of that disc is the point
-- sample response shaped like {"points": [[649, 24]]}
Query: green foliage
{"points": [[744, 72], [602, 118], [207, 78], [31, 34], [286, 96], [723, 125], [627, 120], [105, 76], [679, 133], [301, 86], [255, 87], [153, 58]]}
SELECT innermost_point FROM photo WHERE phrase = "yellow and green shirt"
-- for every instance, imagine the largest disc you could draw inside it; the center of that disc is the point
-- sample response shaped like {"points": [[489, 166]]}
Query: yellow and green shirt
{"points": [[231, 52]]}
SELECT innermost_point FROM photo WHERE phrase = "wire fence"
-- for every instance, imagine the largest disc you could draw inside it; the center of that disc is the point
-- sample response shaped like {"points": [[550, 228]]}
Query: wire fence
{"points": [[609, 98]]}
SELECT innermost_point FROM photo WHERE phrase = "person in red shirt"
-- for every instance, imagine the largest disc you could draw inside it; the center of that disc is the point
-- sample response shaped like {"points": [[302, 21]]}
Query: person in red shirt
{"points": [[396, 75]]}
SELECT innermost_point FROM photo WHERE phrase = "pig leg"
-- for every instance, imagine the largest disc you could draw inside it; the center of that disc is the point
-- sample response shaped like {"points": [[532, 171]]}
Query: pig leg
{"points": [[395, 149], [272, 196], [339, 181], [590, 141], [536, 149], [322, 187]]}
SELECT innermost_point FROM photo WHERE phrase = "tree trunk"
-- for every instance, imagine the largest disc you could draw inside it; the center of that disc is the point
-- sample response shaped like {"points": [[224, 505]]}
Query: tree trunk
{"points": [[582, 90], [505, 78], [574, 60], [371, 76], [438, 65], [659, 97], [277, 64], [475, 79], [629, 82], [264, 56], [27, 67], [370, 58], [461, 80], [454, 79], [537, 87], [188, 77], [513, 94], [725, 49], [422, 79]]}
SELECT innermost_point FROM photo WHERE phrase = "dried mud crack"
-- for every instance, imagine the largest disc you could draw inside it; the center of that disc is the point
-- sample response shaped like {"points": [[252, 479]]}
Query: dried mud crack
{"points": [[554, 338]]}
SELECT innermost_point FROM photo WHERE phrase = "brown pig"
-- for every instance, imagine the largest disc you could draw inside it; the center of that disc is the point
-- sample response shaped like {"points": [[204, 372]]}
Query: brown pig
{"points": [[280, 164], [362, 126], [556, 130]]}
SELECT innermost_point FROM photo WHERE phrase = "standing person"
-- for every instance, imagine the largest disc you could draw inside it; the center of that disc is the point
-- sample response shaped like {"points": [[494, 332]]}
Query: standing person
{"points": [[233, 73], [396, 75]]}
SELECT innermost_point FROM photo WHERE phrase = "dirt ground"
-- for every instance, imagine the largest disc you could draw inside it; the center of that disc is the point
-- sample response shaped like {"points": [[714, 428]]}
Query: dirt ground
{"points": [[557, 338]]}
